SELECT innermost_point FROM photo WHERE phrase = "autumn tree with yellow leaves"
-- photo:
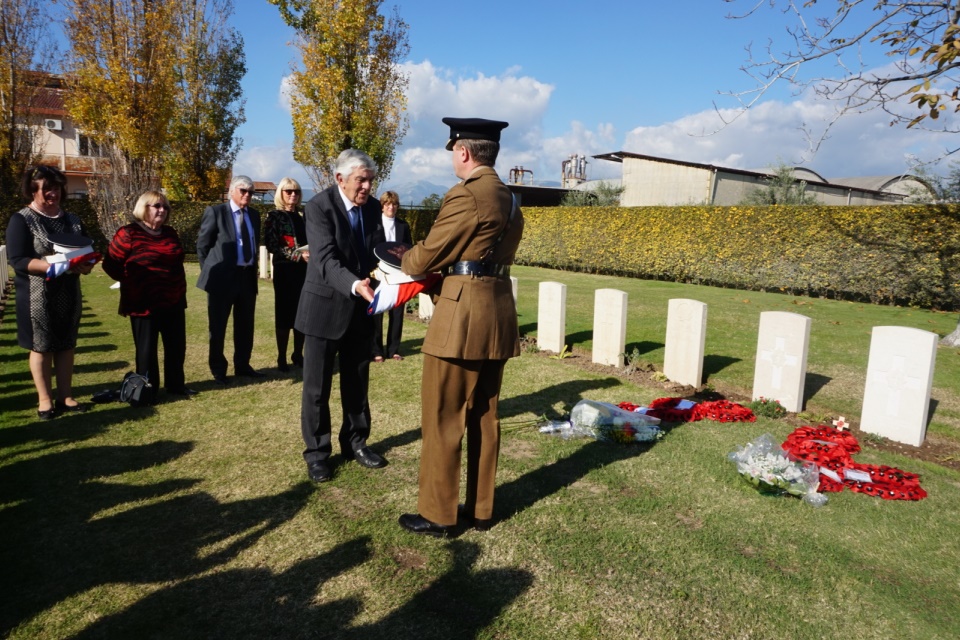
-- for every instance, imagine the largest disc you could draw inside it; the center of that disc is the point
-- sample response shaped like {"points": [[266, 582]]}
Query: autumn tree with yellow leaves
{"points": [[26, 49], [157, 84], [123, 93], [210, 103], [349, 91]]}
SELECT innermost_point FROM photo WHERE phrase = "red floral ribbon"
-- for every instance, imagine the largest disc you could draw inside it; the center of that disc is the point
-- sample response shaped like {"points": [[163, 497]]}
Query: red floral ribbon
{"points": [[833, 449]]}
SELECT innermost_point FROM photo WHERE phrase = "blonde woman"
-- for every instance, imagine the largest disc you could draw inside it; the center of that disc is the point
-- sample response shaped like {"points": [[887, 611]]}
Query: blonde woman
{"points": [[284, 235], [146, 258]]}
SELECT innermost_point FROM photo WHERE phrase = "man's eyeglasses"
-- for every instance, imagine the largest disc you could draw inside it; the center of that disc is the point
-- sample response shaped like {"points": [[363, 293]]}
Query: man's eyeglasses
{"points": [[245, 191]]}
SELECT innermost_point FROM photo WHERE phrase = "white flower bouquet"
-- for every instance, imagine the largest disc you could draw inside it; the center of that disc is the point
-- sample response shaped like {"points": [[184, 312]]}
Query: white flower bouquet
{"points": [[765, 465], [606, 422]]}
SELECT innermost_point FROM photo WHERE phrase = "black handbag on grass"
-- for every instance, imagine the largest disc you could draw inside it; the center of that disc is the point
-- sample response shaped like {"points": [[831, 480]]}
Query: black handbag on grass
{"points": [[135, 389]]}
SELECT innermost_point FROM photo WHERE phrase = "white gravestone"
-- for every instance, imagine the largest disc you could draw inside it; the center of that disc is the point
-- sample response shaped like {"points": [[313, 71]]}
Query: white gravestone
{"points": [[609, 326], [686, 336], [552, 317], [896, 399], [264, 262], [781, 368], [426, 306], [513, 283]]}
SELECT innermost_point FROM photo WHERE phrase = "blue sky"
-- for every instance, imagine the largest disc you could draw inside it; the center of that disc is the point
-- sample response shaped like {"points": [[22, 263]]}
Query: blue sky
{"points": [[579, 78]]}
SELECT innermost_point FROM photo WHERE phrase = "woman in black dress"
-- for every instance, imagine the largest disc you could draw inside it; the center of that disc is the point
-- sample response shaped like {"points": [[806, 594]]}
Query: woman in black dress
{"points": [[284, 234], [48, 311]]}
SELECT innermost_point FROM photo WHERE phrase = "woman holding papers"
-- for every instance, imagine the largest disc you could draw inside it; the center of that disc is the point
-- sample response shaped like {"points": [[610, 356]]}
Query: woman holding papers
{"points": [[146, 258], [285, 235], [48, 309]]}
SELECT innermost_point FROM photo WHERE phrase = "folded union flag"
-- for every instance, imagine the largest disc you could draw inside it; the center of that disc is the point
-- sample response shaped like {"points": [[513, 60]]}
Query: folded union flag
{"points": [[389, 296]]}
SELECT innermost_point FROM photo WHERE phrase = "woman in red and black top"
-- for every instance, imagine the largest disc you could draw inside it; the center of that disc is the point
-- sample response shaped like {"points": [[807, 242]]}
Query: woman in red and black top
{"points": [[147, 259]]}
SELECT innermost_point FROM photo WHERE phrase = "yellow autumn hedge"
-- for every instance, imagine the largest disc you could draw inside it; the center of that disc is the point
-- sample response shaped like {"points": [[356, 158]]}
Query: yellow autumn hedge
{"points": [[897, 255]]}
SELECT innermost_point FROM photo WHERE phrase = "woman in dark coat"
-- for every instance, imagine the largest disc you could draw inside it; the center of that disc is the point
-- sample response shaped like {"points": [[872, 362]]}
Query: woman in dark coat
{"points": [[285, 236], [390, 229], [48, 310]]}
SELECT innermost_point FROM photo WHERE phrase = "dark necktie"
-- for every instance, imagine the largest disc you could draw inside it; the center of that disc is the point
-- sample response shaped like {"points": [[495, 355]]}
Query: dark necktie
{"points": [[358, 233], [245, 239]]}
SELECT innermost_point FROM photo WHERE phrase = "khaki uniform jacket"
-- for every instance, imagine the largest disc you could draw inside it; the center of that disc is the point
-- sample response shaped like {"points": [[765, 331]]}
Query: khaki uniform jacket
{"points": [[474, 318]]}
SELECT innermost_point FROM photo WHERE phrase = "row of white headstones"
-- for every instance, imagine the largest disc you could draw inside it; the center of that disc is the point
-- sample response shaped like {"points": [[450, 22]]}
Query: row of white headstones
{"points": [[896, 398]]}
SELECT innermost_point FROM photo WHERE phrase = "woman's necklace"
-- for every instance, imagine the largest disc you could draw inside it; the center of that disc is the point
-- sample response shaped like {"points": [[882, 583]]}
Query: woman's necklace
{"points": [[43, 213]]}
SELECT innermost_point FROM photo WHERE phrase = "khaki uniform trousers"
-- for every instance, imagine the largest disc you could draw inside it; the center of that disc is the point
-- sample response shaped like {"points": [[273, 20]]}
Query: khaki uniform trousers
{"points": [[457, 396]]}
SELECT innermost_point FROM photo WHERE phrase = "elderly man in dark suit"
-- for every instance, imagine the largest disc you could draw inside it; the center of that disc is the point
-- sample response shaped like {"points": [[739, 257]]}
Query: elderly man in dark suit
{"points": [[471, 335], [332, 315], [227, 250]]}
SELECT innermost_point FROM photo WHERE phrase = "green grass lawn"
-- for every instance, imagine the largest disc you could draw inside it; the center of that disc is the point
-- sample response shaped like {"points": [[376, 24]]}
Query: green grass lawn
{"points": [[195, 519]]}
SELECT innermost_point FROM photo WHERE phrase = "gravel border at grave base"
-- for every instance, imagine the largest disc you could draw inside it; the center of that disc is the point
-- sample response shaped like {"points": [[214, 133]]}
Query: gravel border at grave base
{"points": [[935, 449]]}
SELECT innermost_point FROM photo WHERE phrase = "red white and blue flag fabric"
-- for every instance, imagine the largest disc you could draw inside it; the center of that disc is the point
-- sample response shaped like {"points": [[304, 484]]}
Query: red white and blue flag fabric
{"points": [[389, 296]]}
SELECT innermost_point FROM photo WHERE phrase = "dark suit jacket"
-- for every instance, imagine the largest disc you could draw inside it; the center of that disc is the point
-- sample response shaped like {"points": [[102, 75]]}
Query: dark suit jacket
{"points": [[217, 248], [327, 305], [402, 229]]}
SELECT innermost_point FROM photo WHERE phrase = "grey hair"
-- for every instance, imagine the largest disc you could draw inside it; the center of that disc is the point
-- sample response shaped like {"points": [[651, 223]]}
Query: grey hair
{"points": [[244, 182], [350, 160]]}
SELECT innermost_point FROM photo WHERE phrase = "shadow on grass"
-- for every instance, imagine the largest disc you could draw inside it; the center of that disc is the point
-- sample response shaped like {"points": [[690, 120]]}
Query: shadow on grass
{"points": [[812, 384], [522, 493], [642, 347], [70, 528], [715, 364], [541, 402], [258, 603]]}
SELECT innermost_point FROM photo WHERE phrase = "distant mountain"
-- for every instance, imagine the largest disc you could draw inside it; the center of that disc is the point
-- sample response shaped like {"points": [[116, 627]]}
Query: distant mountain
{"points": [[413, 193]]}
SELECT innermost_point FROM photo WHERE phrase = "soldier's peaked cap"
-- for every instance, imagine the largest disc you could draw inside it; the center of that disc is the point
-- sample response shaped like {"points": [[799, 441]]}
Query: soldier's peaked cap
{"points": [[473, 129]]}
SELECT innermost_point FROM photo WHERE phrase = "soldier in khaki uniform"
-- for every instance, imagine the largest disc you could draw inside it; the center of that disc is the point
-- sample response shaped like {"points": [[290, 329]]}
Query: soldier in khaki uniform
{"points": [[472, 333]]}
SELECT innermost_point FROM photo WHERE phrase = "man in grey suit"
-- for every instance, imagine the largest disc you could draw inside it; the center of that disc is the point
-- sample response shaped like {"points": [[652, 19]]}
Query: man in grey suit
{"points": [[332, 315], [227, 250]]}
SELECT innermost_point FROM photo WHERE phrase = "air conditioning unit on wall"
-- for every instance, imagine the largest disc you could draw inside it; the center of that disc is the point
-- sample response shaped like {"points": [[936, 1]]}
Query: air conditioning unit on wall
{"points": [[54, 125]]}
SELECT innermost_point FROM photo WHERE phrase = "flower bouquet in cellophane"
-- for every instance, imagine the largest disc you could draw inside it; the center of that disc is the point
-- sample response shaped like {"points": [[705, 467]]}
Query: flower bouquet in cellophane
{"points": [[765, 465], [606, 422]]}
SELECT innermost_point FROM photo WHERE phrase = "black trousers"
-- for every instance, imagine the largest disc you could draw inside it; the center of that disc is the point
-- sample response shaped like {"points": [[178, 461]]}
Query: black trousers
{"points": [[240, 297], [319, 357], [394, 331], [170, 325]]}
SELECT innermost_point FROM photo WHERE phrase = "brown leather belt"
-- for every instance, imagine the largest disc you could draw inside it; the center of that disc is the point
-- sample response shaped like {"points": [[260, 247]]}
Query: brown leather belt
{"points": [[477, 268]]}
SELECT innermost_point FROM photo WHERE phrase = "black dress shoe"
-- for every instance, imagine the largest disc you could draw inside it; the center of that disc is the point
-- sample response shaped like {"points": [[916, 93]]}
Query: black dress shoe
{"points": [[49, 414], [282, 366], [297, 361], [416, 523], [319, 471], [221, 380], [251, 373], [75, 408], [367, 458]]}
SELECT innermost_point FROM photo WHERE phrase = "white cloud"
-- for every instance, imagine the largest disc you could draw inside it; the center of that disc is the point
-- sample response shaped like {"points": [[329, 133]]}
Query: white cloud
{"points": [[270, 163], [857, 144]]}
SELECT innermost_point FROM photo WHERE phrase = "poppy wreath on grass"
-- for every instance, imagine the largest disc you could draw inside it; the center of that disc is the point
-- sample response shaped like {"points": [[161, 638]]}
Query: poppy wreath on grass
{"points": [[833, 449], [720, 410]]}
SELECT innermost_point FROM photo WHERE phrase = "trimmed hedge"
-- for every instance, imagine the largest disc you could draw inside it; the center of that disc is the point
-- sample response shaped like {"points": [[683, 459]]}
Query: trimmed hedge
{"points": [[907, 255]]}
